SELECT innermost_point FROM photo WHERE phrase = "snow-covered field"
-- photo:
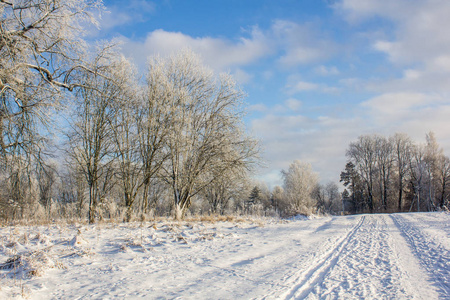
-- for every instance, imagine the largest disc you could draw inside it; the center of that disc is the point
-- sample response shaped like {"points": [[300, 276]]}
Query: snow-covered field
{"points": [[399, 256]]}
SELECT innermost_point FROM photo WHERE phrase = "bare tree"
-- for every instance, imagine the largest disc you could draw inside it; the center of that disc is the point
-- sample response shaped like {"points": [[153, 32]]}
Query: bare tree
{"points": [[418, 168], [327, 198], [443, 177], [46, 177], [41, 50], [41, 56], [91, 137], [206, 138], [419, 172], [17, 187], [362, 154], [124, 129], [384, 161], [299, 183], [71, 191], [432, 155], [223, 190], [153, 121], [279, 201], [402, 152]]}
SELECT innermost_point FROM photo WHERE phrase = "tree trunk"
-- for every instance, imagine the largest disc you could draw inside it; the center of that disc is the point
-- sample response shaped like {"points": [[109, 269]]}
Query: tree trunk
{"points": [[93, 195], [179, 211], [441, 202], [400, 194], [128, 214], [145, 205], [92, 204]]}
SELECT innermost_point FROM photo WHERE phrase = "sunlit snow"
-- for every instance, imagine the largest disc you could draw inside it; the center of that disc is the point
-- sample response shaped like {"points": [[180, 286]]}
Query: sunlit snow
{"points": [[398, 256]]}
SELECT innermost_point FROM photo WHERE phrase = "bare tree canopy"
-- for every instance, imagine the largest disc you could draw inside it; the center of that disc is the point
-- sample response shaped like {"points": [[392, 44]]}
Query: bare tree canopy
{"points": [[207, 139], [41, 51]]}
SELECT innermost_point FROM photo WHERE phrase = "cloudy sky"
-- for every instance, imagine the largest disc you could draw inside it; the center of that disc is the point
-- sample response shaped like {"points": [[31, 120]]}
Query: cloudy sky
{"points": [[318, 73]]}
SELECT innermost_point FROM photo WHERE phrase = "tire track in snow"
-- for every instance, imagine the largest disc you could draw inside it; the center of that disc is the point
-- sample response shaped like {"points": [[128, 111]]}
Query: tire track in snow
{"points": [[434, 258], [308, 279], [374, 264]]}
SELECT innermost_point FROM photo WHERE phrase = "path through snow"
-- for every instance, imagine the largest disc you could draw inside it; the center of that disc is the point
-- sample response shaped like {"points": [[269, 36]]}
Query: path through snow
{"points": [[399, 256]]}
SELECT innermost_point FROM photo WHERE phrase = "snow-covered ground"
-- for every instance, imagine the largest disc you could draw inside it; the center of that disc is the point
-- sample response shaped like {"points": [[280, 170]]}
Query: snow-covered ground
{"points": [[399, 256]]}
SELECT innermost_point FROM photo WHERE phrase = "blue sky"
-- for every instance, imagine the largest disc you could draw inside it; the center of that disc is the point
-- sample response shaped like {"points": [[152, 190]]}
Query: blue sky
{"points": [[318, 73]]}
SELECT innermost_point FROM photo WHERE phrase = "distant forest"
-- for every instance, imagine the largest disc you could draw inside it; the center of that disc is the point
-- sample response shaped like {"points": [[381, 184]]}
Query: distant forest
{"points": [[394, 175]]}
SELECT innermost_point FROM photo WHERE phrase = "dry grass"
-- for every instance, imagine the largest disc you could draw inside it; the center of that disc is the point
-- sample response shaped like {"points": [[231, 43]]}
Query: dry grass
{"points": [[216, 218], [31, 264], [213, 218]]}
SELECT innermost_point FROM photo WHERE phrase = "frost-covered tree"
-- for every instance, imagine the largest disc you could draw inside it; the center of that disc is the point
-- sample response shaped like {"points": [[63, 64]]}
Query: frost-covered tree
{"points": [[299, 183], [206, 139], [42, 55], [124, 133], [41, 52], [91, 137], [153, 122]]}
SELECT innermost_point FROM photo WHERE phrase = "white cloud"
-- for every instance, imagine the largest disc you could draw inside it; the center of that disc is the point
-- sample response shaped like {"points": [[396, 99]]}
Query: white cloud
{"points": [[111, 19], [326, 71], [219, 54], [330, 89], [322, 141], [298, 86], [301, 43], [384, 46], [241, 76], [420, 27], [395, 110], [289, 106], [356, 11], [400, 105], [414, 39], [301, 86], [293, 105], [294, 43], [352, 82], [440, 63], [258, 108], [126, 13], [410, 74]]}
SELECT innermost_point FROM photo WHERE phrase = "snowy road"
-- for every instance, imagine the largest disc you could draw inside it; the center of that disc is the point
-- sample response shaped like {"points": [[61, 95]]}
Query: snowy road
{"points": [[400, 256]]}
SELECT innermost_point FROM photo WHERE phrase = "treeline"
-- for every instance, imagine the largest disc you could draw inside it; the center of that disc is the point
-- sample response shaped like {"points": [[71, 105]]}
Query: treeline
{"points": [[126, 146], [383, 174], [139, 149], [394, 174]]}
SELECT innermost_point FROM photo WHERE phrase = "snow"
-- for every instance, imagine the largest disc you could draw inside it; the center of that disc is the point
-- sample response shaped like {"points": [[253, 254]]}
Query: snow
{"points": [[383, 256]]}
